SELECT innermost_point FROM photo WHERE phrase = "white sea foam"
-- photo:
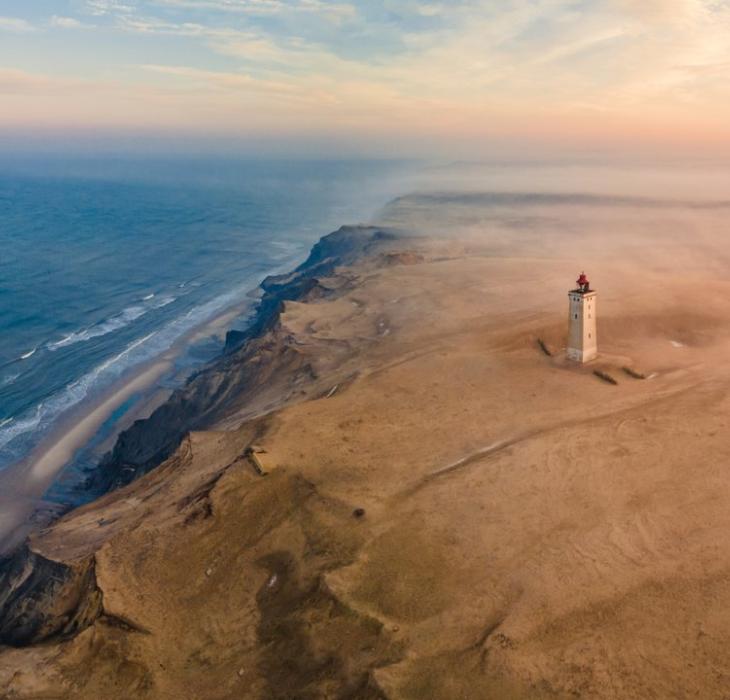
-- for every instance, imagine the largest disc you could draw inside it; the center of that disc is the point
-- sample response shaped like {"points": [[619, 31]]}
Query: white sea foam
{"points": [[142, 350], [77, 391], [131, 313], [148, 297], [28, 354], [127, 316], [20, 426], [5, 421]]}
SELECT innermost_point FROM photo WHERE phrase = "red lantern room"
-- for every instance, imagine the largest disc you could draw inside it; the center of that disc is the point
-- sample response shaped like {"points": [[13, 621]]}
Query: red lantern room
{"points": [[583, 283]]}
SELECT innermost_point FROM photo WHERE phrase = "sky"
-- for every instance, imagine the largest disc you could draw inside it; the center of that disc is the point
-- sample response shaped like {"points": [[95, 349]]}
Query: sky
{"points": [[385, 77]]}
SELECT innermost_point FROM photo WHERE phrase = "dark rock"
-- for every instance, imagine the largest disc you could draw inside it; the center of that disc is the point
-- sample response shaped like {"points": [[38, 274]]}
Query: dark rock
{"points": [[41, 599]]}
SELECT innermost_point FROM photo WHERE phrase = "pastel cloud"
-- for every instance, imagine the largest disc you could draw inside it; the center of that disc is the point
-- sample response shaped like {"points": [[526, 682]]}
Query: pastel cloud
{"points": [[15, 24], [68, 22], [468, 69], [108, 7]]}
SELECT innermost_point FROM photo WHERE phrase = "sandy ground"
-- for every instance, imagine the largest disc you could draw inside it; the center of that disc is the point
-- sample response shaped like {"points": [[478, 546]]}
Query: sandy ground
{"points": [[529, 531]]}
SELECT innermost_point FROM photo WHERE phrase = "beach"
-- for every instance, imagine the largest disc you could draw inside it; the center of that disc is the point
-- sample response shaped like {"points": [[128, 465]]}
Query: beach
{"points": [[438, 508], [28, 482], [24, 484]]}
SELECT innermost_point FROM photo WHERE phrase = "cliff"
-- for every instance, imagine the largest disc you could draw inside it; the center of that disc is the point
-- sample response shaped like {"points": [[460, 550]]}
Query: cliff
{"points": [[41, 599], [254, 361]]}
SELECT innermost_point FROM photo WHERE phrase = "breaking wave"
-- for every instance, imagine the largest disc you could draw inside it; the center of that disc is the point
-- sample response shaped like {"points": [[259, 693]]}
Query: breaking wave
{"points": [[127, 316], [46, 411], [144, 349]]}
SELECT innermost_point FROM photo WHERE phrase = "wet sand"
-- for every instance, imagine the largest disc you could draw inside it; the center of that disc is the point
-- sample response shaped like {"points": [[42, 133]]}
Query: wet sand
{"points": [[23, 485]]}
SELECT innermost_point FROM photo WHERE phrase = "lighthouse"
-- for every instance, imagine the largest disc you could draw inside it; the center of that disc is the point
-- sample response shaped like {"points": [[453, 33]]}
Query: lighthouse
{"points": [[582, 342]]}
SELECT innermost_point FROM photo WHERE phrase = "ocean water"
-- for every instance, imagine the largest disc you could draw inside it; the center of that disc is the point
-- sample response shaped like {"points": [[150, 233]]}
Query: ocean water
{"points": [[105, 263]]}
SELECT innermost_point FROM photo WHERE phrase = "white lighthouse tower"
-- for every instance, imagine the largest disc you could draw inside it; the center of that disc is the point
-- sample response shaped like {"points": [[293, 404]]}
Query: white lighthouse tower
{"points": [[582, 342]]}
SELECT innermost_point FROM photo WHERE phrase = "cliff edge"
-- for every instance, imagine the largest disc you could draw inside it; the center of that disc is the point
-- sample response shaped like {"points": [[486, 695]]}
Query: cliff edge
{"points": [[245, 377]]}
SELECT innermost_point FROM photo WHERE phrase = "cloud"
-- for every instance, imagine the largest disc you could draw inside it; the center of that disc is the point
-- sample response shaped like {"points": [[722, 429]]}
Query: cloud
{"points": [[154, 26], [15, 25], [15, 82], [68, 23], [472, 57], [332, 10], [244, 6], [461, 68], [222, 80], [100, 8]]}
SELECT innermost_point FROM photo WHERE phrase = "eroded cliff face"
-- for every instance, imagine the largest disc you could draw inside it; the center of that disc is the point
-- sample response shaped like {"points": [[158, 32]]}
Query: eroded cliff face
{"points": [[249, 376], [341, 248], [42, 599]]}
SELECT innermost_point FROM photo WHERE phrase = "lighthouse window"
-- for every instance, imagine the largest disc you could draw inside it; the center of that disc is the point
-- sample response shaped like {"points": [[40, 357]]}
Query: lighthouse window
{"points": [[576, 316]]}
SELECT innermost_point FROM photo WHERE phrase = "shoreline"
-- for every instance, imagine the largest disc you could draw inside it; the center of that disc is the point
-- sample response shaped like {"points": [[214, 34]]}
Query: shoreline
{"points": [[199, 403], [29, 480], [25, 482]]}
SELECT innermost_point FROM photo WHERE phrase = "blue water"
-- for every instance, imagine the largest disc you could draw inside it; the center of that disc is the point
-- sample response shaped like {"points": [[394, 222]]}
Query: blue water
{"points": [[104, 264]]}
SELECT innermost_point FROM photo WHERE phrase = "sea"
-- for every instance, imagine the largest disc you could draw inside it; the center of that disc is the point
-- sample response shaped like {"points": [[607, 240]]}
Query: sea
{"points": [[107, 262]]}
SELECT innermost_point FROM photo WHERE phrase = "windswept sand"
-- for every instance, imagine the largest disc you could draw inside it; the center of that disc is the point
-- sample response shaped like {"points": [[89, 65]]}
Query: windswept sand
{"points": [[529, 531]]}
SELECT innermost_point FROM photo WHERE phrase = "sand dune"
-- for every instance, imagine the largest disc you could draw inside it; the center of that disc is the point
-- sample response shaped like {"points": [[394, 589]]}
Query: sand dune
{"points": [[449, 512]]}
